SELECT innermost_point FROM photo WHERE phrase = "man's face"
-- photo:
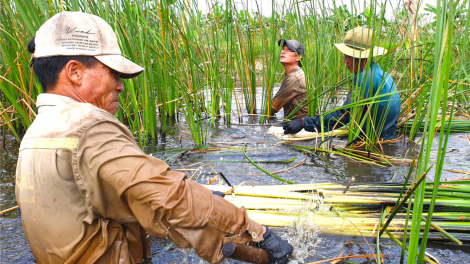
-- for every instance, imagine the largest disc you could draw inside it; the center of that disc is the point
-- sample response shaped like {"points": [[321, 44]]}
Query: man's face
{"points": [[288, 57], [353, 64], [101, 87]]}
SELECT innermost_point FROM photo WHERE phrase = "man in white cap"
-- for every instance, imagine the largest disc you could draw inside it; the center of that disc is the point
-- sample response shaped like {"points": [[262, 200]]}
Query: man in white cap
{"points": [[356, 49], [87, 192], [291, 96]]}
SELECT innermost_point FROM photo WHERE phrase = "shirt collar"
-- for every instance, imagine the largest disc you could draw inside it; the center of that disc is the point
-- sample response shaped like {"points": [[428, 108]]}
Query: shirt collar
{"points": [[371, 66], [48, 99], [294, 70]]}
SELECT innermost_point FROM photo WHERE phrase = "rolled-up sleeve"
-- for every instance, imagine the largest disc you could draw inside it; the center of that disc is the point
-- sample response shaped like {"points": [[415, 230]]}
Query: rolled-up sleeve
{"points": [[336, 119], [125, 184]]}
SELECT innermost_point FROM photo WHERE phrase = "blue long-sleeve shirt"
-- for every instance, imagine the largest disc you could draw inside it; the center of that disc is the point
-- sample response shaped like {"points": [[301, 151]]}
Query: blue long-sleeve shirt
{"points": [[387, 107]]}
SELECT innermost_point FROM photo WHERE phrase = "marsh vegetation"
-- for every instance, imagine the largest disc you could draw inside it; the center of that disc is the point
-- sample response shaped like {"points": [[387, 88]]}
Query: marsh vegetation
{"points": [[223, 66]]}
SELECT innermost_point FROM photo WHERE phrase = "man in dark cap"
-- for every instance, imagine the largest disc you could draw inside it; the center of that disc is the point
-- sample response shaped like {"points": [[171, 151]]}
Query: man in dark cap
{"points": [[291, 96]]}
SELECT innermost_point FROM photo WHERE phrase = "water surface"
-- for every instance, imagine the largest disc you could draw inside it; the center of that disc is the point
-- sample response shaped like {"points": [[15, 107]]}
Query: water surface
{"points": [[261, 146]]}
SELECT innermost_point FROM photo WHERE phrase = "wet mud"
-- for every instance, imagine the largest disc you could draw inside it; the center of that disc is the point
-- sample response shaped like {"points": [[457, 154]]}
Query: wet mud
{"points": [[225, 156]]}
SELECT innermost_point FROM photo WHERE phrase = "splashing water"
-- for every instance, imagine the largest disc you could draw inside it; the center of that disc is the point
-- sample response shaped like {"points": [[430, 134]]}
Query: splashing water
{"points": [[304, 238], [302, 235]]}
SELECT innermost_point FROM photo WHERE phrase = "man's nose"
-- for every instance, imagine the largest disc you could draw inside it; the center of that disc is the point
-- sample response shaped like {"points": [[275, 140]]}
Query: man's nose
{"points": [[120, 86]]}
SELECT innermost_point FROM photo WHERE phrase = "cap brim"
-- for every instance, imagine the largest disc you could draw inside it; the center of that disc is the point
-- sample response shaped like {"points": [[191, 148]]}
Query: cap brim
{"points": [[127, 68], [289, 45], [286, 42], [360, 54]]}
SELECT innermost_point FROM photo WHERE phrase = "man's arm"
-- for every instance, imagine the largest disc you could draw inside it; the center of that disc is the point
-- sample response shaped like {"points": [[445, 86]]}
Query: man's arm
{"points": [[336, 119], [192, 217], [132, 186]]}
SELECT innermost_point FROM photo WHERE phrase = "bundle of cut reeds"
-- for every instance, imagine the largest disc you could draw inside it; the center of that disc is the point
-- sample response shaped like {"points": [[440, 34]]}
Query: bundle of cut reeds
{"points": [[359, 209]]}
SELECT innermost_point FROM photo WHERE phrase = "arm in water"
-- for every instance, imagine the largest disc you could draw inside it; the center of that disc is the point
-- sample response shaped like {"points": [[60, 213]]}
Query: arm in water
{"points": [[165, 203], [332, 120]]}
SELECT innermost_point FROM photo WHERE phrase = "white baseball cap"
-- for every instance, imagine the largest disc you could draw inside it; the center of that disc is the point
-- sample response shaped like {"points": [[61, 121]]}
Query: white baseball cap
{"points": [[81, 34]]}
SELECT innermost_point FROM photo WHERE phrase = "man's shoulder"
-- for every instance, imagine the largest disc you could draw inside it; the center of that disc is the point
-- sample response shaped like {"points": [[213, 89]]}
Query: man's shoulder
{"points": [[297, 71], [69, 119], [379, 72], [57, 106], [86, 111], [300, 76]]}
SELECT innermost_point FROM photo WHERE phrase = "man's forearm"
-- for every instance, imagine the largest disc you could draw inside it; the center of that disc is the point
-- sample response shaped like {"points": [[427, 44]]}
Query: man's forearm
{"points": [[335, 119], [277, 105], [192, 217]]}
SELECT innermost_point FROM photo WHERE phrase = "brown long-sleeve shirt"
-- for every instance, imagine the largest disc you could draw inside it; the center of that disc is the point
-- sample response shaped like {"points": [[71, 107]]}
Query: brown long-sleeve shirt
{"points": [[292, 94], [89, 194]]}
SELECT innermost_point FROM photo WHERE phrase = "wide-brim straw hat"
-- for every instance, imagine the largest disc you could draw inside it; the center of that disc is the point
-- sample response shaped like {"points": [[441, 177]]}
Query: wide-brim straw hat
{"points": [[357, 44]]}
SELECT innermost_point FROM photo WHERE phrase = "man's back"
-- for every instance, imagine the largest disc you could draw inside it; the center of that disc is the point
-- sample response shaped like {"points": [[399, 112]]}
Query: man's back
{"points": [[53, 196], [388, 107]]}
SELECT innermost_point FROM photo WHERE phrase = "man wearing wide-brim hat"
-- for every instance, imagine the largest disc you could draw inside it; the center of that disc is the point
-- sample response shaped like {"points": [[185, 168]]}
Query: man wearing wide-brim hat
{"points": [[86, 191], [357, 49]]}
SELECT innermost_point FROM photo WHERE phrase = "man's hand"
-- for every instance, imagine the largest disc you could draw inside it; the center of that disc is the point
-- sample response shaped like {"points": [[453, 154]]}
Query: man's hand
{"points": [[278, 249], [293, 127]]}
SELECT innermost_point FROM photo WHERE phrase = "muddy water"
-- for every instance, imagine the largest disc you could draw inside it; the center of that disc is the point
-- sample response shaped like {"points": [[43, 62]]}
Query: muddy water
{"points": [[15, 249]]}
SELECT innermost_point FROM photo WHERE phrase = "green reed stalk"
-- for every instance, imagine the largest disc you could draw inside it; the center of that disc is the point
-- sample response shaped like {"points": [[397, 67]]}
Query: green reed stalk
{"points": [[195, 61], [270, 63], [327, 164], [405, 234], [441, 71], [263, 170], [403, 245], [443, 82]]}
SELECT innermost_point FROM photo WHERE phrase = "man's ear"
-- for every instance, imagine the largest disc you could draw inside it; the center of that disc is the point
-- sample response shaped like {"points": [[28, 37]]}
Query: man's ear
{"points": [[74, 71], [299, 57]]}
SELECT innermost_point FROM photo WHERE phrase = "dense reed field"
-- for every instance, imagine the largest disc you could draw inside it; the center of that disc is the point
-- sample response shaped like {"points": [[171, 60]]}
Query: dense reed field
{"points": [[195, 63]]}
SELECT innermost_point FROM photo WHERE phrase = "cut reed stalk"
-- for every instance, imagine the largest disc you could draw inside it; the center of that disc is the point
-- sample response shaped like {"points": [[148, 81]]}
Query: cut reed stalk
{"points": [[363, 207]]}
